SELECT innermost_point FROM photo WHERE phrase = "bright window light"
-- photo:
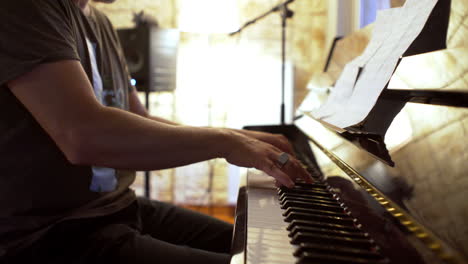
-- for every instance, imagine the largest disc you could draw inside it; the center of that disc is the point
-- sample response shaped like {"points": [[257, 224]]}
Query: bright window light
{"points": [[209, 16], [369, 9]]}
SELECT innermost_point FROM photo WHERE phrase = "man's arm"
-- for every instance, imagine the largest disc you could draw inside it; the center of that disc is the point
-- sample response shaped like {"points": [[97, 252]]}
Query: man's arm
{"points": [[60, 97]]}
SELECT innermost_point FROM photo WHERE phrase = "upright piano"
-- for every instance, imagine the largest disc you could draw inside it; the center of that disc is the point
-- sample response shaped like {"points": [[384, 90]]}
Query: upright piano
{"points": [[397, 197]]}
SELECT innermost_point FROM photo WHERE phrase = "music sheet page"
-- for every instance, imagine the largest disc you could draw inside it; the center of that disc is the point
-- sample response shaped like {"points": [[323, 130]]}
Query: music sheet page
{"points": [[364, 79]]}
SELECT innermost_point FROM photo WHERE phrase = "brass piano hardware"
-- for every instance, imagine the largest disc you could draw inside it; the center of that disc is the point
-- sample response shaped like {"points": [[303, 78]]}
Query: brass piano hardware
{"points": [[413, 229], [420, 232], [435, 246]]}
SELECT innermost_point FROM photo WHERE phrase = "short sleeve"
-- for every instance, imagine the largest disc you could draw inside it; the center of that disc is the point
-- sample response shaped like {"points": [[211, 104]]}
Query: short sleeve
{"points": [[34, 32]]}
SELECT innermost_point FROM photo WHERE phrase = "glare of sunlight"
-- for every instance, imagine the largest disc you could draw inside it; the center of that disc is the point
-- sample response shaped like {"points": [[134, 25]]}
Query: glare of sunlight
{"points": [[209, 16], [230, 86], [400, 132]]}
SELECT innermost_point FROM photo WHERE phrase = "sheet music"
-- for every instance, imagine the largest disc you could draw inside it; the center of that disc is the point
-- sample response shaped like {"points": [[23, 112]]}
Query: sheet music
{"points": [[394, 32], [342, 91], [345, 84]]}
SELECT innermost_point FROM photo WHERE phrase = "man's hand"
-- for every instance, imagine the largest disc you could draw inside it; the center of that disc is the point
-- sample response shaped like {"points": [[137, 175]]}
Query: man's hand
{"points": [[249, 152], [277, 140]]}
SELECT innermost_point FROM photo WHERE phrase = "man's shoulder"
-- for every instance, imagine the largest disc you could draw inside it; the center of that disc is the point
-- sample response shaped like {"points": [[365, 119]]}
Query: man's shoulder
{"points": [[38, 8], [100, 16]]}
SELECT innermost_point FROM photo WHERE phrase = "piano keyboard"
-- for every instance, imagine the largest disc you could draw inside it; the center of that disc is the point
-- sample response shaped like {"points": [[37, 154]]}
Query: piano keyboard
{"points": [[305, 224]]}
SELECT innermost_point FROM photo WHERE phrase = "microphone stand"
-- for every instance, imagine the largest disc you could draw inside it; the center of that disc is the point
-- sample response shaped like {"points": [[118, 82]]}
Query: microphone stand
{"points": [[285, 13]]}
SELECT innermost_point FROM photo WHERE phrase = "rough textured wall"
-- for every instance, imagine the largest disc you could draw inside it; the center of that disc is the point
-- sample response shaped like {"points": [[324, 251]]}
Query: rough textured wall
{"points": [[121, 12]]}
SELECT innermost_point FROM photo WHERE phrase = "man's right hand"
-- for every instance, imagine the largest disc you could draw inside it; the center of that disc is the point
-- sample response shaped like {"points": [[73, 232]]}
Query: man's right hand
{"points": [[249, 152]]}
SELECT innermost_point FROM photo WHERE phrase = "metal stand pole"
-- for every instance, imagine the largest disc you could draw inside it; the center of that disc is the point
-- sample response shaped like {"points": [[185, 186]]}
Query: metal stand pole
{"points": [[147, 173], [285, 14]]}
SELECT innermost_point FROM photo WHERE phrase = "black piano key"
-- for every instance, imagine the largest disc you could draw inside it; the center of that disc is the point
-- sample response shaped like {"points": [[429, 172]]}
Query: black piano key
{"points": [[330, 231], [306, 237], [313, 217], [317, 258], [321, 186], [308, 192], [316, 184], [299, 186], [305, 223], [314, 211], [337, 250], [287, 197], [281, 196], [310, 215], [305, 195], [312, 193], [316, 175], [311, 204]]}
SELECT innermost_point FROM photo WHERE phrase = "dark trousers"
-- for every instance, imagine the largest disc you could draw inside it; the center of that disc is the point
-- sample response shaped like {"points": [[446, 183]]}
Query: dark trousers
{"points": [[145, 232]]}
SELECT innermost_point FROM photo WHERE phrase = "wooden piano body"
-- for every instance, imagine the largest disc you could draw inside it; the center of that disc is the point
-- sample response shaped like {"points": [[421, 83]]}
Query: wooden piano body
{"points": [[416, 211]]}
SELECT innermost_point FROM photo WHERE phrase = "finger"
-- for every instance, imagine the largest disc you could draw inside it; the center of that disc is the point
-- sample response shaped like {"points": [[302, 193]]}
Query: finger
{"points": [[307, 178], [277, 184], [296, 170], [304, 174], [287, 168], [286, 146], [272, 169]]}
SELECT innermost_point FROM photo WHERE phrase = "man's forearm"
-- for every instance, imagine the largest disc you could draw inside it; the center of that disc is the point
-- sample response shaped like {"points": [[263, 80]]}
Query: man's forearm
{"points": [[162, 120], [276, 140], [128, 141]]}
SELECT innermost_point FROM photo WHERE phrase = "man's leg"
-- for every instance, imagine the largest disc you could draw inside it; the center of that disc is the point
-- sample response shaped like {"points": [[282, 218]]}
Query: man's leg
{"points": [[126, 245], [112, 239], [180, 226]]}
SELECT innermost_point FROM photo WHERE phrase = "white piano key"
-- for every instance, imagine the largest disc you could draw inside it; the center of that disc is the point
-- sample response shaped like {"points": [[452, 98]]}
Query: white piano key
{"points": [[267, 237]]}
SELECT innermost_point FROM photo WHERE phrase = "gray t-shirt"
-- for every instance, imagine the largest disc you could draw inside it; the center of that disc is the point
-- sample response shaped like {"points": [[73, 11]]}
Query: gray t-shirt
{"points": [[38, 186]]}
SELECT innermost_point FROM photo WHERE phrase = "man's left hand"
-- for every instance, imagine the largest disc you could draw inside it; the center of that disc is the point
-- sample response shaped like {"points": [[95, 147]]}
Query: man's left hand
{"points": [[277, 140]]}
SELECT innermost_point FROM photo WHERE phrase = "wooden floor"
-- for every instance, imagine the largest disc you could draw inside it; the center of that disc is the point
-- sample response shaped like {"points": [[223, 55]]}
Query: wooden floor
{"points": [[225, 213]]}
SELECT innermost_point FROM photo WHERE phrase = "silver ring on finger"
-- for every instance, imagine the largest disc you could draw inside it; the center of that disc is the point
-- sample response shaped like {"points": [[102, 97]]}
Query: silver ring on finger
{"points": [[283, 159]]}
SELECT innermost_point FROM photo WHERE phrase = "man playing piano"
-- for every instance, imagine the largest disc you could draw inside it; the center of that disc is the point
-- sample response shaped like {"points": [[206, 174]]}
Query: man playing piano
{"points": [[72, 128]]}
